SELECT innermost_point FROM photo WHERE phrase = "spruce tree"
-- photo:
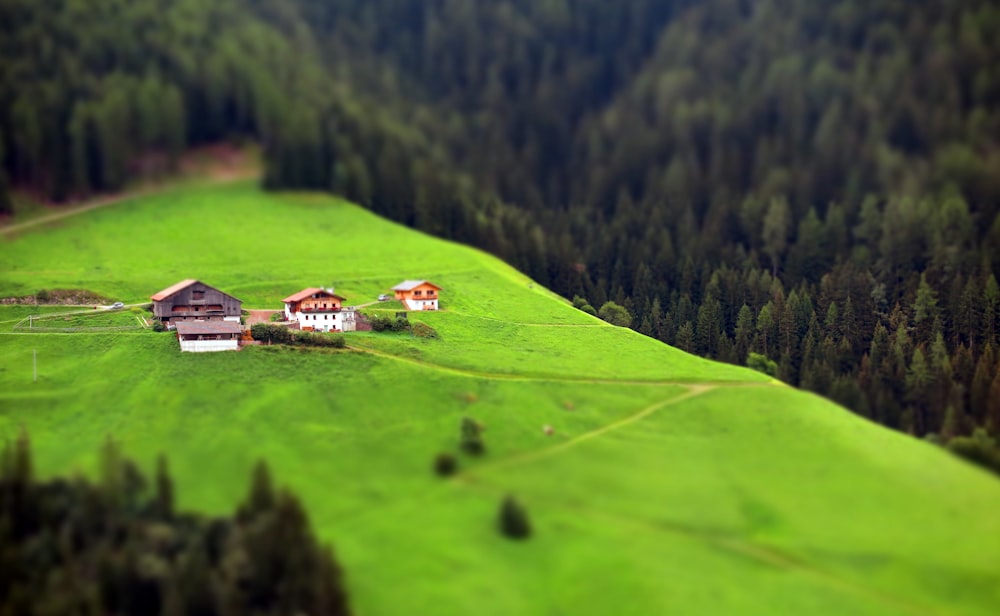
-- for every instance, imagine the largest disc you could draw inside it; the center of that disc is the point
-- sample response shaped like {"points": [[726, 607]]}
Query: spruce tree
{"points": [[513, 519]]}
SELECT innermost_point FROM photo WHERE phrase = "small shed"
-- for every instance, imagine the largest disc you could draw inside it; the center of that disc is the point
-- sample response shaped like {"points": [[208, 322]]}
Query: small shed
{"points": [[208, 336]]}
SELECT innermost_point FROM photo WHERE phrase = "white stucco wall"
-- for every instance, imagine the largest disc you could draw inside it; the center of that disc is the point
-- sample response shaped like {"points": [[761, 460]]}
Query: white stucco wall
{"points": [[209, 346], [421, 304], [320, 321]]}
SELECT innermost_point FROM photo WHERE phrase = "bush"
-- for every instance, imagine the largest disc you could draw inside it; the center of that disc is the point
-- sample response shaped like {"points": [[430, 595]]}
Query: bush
{"points": [[273, 334], [159, 327], [423, 330], [513, 520], [382, 323], [760, 363], [379, 323], [42, 296], [615, 314], [589, 310], [979, 449], [579, 302], [471, 437], [277, 316], [445, 464], [317, 339]]}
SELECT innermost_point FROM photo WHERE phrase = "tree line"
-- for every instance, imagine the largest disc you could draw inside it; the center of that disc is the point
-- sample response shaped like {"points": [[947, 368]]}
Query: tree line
{"points": [[817, 184]]}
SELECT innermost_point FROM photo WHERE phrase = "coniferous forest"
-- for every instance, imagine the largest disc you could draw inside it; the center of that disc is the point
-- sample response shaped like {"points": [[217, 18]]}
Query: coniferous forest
{"points": [[811, 185], [119, 546]]}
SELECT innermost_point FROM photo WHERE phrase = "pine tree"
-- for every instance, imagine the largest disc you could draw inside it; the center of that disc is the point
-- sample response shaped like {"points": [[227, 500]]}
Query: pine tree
{"points": [[925, 311], [164, 489], [513, 519], [991, 309], [471, 439], [261, 498]]}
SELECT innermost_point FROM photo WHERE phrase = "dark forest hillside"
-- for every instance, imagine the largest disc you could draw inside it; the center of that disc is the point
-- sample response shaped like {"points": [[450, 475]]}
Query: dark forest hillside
{"points": [[817, 183]]}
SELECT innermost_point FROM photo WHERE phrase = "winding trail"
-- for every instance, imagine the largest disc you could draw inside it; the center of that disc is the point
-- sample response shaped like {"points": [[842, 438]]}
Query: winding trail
{"points": [[693, 390], [503, 376]]}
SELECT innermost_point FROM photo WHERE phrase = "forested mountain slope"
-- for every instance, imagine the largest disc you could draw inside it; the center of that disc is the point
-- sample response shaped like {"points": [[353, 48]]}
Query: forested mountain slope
{"points": [[655, 482], [816, 182]]}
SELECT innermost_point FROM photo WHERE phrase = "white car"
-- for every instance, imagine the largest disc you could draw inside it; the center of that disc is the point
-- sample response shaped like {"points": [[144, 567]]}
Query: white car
{"points": [[384, 298], [117, 305]]}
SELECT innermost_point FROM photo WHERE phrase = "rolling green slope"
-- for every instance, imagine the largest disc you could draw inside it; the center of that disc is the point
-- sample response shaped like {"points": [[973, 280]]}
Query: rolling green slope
{"points": [[670, 485]]}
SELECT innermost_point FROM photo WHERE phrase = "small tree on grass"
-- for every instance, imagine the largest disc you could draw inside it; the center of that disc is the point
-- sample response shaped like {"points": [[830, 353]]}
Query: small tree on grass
{"points": [[513, 520], [445, 464], [472, 437], [761, 363], [615, 314]]}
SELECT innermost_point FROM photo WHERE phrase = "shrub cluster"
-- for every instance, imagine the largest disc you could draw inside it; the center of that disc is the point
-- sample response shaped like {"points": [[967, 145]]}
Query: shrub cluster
{"points": [[471, 437], [445, 464], [383, 323], [118, 547], [423, 330], [316, 339], [761, 363], [279, 334], [980, 448]]}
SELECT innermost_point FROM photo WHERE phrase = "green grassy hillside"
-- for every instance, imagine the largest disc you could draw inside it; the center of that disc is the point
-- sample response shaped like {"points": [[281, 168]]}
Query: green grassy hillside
{"points": [[671, 484]]}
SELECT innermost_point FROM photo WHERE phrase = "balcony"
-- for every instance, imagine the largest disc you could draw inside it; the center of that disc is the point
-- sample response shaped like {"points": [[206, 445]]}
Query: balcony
{"points": [[311, 309]]}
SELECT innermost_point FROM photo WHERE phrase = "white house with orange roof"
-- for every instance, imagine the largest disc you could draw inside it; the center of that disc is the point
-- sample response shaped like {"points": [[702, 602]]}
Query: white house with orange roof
{"points": [[321, 310], [418, 294]]}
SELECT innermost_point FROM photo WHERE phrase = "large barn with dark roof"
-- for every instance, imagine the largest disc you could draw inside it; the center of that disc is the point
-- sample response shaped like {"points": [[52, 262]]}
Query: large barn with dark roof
{"points": [[193, 300]]}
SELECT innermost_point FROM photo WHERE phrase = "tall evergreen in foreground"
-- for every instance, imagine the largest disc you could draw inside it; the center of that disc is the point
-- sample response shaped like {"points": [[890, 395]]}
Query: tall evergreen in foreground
{"points": [[72, 546]]}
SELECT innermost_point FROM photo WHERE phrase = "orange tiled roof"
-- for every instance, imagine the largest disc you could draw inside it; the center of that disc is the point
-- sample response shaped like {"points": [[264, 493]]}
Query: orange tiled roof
{"points": [[304, 293]]}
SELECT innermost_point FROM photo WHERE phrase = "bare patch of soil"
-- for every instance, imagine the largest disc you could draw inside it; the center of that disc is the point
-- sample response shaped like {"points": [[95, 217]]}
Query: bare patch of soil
{"points": [[63, 297]]}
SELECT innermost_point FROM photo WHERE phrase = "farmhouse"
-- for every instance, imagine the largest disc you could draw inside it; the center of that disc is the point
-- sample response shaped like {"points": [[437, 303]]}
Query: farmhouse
{"points": [[321, 310], [192, 300], [208, 336], [417, 294]]}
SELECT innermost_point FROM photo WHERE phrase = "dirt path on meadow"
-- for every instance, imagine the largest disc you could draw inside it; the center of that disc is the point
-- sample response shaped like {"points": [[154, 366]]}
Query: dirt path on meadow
{"points": [[260, 316], [692, 391], [501, 376]]}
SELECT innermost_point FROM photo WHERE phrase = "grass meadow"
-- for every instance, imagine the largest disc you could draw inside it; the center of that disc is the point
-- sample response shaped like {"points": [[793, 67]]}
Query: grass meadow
{"points": [[671, 484]]}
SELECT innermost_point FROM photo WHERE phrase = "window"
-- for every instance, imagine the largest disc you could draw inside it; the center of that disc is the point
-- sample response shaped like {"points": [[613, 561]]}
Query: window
{"points": [[198, 294], [417, 293]]}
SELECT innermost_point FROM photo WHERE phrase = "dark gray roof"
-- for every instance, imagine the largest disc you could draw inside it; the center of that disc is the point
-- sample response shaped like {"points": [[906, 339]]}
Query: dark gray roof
{"points": [[207, 327]]}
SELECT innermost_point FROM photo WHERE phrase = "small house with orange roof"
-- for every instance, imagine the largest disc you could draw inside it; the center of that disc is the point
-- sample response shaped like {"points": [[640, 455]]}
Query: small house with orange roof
{"points": [[318, 309], [418, 294], [193, 300]]}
